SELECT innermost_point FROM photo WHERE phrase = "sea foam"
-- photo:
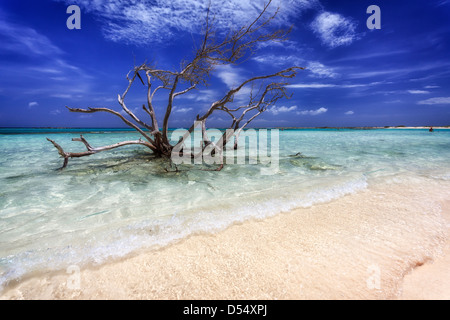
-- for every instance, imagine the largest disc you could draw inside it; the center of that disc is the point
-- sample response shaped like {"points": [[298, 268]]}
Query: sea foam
{"points": [[157, 233]]}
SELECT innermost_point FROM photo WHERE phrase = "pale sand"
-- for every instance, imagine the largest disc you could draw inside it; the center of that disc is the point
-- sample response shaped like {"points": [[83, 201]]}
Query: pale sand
{"points": [[358, 247], [432, 280]]}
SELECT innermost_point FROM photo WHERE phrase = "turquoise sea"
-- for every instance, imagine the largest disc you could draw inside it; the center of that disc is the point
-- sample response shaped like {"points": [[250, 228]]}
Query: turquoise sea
{"points": [[114, 203]]}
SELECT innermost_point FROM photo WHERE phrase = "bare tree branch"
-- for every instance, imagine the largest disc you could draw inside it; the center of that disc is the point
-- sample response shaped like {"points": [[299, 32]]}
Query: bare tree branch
{"points": [[228, 97], [93, 110], [215, 49], [91, 151]]}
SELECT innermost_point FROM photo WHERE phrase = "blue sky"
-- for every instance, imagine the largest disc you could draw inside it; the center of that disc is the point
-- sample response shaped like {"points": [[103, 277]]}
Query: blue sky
{"points": [[397, 75]]}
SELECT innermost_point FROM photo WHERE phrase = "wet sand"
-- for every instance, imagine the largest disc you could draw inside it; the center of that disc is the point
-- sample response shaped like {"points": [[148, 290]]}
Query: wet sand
{"points": [[387, 242]]}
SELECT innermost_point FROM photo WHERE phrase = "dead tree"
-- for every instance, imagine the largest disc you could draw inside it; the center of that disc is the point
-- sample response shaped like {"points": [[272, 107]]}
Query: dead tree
{"points": [[215, 50]]}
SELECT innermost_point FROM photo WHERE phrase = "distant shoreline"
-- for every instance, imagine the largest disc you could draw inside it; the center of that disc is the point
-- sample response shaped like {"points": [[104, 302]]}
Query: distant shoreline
{"points": [[77, 130], [280, 128], [365, 128]]}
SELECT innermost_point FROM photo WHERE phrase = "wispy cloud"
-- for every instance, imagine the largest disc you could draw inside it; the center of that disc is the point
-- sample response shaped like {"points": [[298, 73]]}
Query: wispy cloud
{"points": [[437, 100], [38, 58], [276, 59], [182, 110], [286, 44], [349, 113], [142, 22], [232, 77], [431, 87], [319, 70], [205, 95], [371, 55], [312, 112], [418, 91], [312, 85], [443, 3], [229, 75], [277, 110], [401, 72], [331, 85], [316, 69], [334, 30], [369, 74], [62, 96], [33, 104], [55, 112], [23, 40]]}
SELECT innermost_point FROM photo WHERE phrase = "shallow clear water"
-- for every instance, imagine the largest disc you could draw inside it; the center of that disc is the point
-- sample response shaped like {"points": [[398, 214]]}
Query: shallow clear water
{"points": [[113, 203]]}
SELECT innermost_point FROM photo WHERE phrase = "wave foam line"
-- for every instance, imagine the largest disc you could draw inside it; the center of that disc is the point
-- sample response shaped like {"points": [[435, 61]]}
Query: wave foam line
{"points": [[157, 234]]}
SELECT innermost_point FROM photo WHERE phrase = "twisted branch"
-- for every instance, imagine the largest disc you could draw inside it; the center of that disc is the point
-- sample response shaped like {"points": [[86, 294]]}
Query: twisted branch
{"points": [[233, 48], [91, 150]]}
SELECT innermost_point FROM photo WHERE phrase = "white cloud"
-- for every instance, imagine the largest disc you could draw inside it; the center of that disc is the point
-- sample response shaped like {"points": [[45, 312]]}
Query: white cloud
{"points": [[205, 95], [286, 44], [55, 112], [33, 104], [443, 3], [349, 113], [319, 70], [368, 74], [330, 85], [418, 91], [25, 41], [229, 75], [148, 21], [61, 95], [400, 72], [376, 54], [243, 95], [437, 100], [44, 59], [311, 85], [50, 70], [232, 78], [431, 87], [316, 68], [182, 110], [278, 60], [59, 70], [334, 30], [276, 110], [312, 112]]}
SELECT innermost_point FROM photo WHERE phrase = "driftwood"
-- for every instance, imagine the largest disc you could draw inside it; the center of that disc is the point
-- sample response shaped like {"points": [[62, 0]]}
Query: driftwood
{"points": [[234, 47], [91, 150]]}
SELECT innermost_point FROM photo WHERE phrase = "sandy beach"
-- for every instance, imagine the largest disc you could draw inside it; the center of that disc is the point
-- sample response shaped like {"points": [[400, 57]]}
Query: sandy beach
{"points": [[431, 281], [328, 251]]}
